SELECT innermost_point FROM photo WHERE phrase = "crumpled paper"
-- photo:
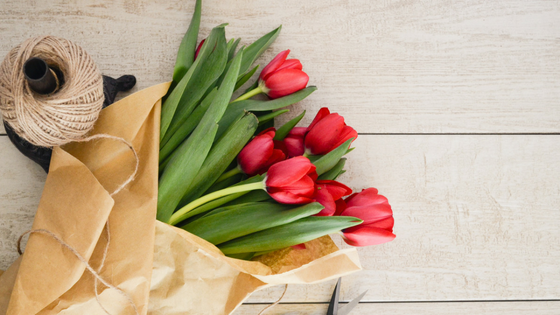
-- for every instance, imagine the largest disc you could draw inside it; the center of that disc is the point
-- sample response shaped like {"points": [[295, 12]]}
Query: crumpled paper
{"points": [[164, 270]]}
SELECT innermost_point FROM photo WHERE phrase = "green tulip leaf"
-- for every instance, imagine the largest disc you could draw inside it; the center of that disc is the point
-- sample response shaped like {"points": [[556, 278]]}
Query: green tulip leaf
{"points": [[187, 48], [231, 50], [268, 117], [219, 185], [252, 87], [283, 131], [326, 162], [252, 196], [202, 80], [256, 49], [222, 154], [297, 232], [235, 109], [240, 220], [245, 77], [176, 96], [185, 129], [223, 200], [190, 155], [334, 172]]}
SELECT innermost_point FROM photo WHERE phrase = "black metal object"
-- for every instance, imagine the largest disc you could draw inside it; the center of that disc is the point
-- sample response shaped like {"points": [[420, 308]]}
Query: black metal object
{"points": [[42, 155], [40, 77]]}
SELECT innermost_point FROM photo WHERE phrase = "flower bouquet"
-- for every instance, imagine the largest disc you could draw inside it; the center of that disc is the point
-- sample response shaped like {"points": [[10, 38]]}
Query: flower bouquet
{"points": [[239, 204]]}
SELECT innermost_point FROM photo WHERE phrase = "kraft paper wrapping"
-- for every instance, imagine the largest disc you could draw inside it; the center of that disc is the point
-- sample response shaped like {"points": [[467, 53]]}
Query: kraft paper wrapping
{"points": [[75, 205], [165, 270]]}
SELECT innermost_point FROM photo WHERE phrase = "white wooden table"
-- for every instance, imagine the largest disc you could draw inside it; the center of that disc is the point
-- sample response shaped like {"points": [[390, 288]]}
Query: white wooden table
{"points": [[458, 108]]}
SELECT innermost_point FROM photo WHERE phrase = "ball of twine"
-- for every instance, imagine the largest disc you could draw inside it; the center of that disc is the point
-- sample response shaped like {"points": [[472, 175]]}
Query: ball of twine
{"points": [[55, 119]]}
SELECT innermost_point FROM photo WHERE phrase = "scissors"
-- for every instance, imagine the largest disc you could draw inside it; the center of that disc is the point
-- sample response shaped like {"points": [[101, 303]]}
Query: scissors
{"points": [[333, 305]]}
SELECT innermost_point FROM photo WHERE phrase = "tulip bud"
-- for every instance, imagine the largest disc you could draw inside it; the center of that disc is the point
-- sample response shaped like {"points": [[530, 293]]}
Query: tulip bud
{"points": [[327, 132], [328, 193], [293, 142], [292, 181], [375, 211], [259, 154], [282, 77]]}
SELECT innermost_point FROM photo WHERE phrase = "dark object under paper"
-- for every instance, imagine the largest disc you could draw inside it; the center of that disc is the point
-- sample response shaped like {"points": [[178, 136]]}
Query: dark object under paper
{"points": [[42, 155]]}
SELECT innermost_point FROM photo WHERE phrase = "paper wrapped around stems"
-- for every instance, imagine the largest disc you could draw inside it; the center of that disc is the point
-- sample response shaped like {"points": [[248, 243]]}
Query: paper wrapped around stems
{"points": [[165, 270]]}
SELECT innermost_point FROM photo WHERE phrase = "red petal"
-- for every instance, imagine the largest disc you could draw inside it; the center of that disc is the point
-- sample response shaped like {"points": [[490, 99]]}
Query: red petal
{"points": [[288, 171], [386, 224], [369, 213], [285, 82], [340, 206], [297, 132], [270, 131], [277, 156], [346, 134], [324, 135], [322, 113], [274, 64], [305, 186], [336, 189], [289, 198], [294, 142], [367, 196], [366, 236], [323, 197], [256, 153], [291, 64]]}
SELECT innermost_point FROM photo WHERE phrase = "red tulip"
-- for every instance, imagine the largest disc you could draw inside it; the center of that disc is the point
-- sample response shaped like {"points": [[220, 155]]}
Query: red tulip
{"points": [[327, 132], [376, 212], [259, 154], [292, 181], [328, 193], [293, 143], [282, 77], [198, 48]]}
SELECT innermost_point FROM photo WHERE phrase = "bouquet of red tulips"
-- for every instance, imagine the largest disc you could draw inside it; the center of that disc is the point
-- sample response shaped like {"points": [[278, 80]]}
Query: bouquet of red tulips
{"points": [[228, 176], [237, 199]]}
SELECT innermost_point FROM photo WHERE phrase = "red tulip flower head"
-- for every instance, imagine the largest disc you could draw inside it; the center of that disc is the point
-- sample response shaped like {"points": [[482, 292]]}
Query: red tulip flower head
{"points": [[293, 143], [259, 154], [327, 132], [282, 77], [376, 212], [292, 181], [329, 193]]}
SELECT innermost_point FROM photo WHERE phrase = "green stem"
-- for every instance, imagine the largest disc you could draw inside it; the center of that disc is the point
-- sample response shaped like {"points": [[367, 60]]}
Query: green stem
{"points": [[249, 94], [180, 215], [230, 173]]}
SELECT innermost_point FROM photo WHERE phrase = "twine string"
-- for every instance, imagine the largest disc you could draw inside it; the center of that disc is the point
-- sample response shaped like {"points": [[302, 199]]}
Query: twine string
{"points": [[275, 303], [60, 117]]}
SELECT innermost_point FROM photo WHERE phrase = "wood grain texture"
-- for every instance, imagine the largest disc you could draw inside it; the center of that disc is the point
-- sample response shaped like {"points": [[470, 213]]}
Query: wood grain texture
{"points": [[499, 308], [476, 219], [390, 67]]}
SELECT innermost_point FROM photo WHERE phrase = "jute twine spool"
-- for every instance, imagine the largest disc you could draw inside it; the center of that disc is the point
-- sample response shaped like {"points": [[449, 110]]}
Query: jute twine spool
{"points": [[64, 116]]}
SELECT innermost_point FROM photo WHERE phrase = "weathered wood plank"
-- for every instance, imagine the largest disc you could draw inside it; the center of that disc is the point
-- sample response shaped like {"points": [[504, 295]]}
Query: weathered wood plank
{"points": [[405, 67], [476, 218], [479, 308]]}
